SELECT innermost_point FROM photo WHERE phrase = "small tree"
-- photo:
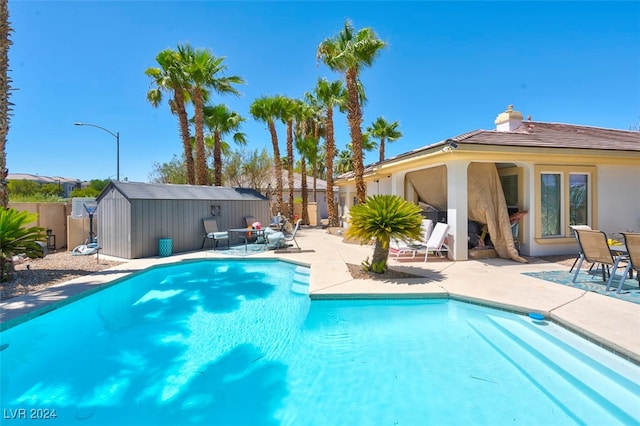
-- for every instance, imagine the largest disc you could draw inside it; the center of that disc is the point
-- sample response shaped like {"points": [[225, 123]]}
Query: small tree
{"points": [[16, 238], [383, 217]]}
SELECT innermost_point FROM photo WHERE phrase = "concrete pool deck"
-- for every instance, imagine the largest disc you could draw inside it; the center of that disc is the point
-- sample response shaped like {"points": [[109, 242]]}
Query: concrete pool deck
{"points": [[499, 283]]}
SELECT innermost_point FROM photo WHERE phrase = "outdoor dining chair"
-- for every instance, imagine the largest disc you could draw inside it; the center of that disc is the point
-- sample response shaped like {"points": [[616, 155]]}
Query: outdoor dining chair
{"points": [[211, 232], [632, 243], [575, 228], [278, 239], [594, 248]]}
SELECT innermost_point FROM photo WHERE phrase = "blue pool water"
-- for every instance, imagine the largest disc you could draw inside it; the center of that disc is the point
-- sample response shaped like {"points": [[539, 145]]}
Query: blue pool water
{"points": [[240, 343]]}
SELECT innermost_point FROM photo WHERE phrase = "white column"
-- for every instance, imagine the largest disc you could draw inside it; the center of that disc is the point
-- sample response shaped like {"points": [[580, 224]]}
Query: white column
{"points": [[457, 209]]}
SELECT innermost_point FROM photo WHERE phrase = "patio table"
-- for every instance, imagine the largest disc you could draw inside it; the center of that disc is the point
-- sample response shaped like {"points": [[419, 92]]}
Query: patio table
{"points": [[245, 233]]}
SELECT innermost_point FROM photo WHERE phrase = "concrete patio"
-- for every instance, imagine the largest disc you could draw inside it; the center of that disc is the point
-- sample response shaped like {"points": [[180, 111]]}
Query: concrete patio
{"points": [[499, 283]]}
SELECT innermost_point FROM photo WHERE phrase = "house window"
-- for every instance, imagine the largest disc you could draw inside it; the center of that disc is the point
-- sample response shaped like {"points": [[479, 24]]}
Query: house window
{"points": [[578, 199], [565, 198], [510, 188], [551, 210]]}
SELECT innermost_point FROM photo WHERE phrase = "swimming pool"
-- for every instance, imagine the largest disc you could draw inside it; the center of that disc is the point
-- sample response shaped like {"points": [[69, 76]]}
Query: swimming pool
{"points": [[240, 342]]}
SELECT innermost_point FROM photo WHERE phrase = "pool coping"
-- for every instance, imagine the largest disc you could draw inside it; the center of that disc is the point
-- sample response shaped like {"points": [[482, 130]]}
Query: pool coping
{"points": [[495, 283]]}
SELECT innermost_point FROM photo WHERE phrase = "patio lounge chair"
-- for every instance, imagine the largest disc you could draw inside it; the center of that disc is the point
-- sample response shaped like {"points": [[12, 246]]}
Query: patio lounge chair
{"points": [[595, 249], [632, 242], [279, 239], [399, 247], [436, 242], [211, 232]]}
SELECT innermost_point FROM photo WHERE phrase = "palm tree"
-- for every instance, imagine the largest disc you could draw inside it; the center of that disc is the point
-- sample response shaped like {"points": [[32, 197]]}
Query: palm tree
{"points": [[344, 163], [221, 121], [307, 138], [305, 143], [170, 77], [267, 110], [203, 71], [383, 217], [384, 130], [330, 95], [5, 105], [348, 53], [288, 113], [316, 123]]}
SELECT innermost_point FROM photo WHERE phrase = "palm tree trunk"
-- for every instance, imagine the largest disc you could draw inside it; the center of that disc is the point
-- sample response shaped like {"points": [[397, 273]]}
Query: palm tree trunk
{"points": [[183, 120], [380, 253], [305, 192], [354, 117], [290, 165], [331, 152], [217, 158], [277, 164], [5, 106], [382, 149], [316, 135], [201, 159]]}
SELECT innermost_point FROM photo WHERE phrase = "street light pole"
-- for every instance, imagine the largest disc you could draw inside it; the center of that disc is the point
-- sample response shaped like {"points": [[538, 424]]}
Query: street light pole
{"points": [[115, 135]]}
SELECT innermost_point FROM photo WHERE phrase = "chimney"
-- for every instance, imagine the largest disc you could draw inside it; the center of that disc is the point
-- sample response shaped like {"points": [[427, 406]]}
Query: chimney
{"points": [[509, 120]]}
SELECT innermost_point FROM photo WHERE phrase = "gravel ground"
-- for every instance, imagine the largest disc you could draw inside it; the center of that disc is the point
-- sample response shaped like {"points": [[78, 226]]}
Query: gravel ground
{"points": [[37, 274]]}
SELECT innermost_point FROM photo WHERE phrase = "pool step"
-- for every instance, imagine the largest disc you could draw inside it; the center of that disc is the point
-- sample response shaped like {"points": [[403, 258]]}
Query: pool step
{"points": [[558, 369], [300, 284]]}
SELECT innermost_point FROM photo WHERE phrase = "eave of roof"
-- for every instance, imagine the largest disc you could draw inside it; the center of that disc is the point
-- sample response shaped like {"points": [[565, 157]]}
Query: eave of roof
{"points": [[534, 136]]}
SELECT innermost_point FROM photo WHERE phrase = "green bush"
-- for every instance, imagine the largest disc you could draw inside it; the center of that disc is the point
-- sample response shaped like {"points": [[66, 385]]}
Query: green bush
{"points": [[16, 238], [381, 218]]}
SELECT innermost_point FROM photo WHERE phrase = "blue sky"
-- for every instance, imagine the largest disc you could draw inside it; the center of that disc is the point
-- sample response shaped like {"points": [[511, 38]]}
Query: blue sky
{"points": [[450, 67]]}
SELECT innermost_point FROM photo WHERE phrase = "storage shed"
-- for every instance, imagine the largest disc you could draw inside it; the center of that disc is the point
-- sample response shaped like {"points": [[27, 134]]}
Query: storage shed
{"points": [[134, 216]]}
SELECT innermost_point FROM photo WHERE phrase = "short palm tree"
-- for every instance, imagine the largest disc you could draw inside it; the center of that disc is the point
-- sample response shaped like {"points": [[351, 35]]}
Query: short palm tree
{"points": [[16, 238], [221, 121], [348, 53], [382, 130], [383, 217], [344, 163]]}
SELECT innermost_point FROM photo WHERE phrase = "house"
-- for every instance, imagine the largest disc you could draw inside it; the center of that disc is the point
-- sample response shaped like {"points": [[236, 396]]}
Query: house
{"points": [[320, 194], [134, 217], [558, 174], [67, 184]]}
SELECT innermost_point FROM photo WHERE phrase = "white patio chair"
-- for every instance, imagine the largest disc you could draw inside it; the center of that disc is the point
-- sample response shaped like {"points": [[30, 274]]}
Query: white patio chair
{"points": [[399, 247], [436, 242]]}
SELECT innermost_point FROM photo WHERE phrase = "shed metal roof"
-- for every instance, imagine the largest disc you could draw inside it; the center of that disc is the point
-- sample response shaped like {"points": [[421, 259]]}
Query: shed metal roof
{"points": [[163, 191]]}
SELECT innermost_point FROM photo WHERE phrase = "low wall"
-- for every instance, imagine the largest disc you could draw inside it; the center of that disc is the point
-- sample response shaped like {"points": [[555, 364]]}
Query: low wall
{"points": [[69, 232]]}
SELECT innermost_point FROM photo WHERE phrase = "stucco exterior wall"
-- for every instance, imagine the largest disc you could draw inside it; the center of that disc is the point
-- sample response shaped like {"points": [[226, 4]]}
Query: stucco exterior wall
{"points": [[619, 199]]}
